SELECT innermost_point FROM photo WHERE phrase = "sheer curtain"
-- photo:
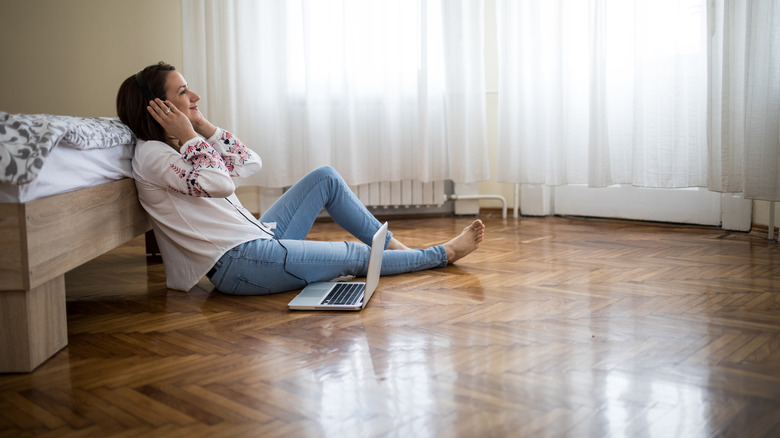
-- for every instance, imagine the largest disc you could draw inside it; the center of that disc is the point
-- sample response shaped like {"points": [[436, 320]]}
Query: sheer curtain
{"points": [[382, 91], [603, 92], [744, 93]]}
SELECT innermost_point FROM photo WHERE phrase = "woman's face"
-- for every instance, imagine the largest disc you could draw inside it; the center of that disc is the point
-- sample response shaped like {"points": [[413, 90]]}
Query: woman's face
{"points": [[184, 99]]}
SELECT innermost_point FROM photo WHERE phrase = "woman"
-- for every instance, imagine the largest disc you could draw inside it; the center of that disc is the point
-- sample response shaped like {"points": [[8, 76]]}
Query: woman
{"points": [[183, 166]]}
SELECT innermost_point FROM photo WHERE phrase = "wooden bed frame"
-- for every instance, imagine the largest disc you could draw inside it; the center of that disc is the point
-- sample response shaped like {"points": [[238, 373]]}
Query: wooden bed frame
{"points": [[40, 241]]}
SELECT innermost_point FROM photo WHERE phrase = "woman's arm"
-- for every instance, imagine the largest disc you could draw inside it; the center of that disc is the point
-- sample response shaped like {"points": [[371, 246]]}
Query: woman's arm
{"points": [[197, 170], [203, 127], [203, 167], [239, 159]]}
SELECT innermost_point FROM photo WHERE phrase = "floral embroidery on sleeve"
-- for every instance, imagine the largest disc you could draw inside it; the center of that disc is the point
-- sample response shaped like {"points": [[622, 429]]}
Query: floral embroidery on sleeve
{"points": [[236, 154], [201, 155], [181, 173], [204, 168]]}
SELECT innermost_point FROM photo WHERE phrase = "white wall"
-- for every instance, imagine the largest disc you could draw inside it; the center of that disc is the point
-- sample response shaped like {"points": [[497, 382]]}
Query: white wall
{"points": [[69, 57]]}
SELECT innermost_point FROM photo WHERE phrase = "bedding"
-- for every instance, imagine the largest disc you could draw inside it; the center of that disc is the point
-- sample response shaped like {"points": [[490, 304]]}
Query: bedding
{"points": [[27, 140], [67, 169]]}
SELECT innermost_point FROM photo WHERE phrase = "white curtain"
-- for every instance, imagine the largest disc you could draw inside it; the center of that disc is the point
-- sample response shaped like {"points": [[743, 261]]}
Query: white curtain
{"points": [[381, 90], [603, 92], [744, 93]]}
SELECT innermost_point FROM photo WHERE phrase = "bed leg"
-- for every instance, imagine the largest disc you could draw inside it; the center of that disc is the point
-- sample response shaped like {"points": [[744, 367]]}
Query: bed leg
{"points": [[151, 244], [33, 326]]}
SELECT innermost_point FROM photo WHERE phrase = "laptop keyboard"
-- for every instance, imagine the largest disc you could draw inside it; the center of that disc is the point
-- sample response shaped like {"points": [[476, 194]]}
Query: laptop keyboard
{"points": [[345, 294]]}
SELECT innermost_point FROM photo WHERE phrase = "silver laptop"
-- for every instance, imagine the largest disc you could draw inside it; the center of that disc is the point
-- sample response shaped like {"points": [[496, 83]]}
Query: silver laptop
{"points": [[343, 295]]}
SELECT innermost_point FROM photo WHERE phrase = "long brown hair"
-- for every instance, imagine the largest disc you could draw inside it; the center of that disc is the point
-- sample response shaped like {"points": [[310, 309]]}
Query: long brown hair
{"points": [[131, 103]]}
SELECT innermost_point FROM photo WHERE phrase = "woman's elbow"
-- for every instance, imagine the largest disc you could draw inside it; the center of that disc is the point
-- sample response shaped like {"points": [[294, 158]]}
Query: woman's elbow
{"points": [[217, 188], [222, 191]]}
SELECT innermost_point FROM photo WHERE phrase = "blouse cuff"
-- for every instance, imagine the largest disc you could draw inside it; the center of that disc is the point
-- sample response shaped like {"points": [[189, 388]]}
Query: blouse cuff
{"points": [[193, 140]]}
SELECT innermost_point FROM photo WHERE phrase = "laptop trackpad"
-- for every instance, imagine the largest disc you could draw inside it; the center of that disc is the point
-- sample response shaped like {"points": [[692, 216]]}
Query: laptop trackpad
{"points": [[316, 289]]}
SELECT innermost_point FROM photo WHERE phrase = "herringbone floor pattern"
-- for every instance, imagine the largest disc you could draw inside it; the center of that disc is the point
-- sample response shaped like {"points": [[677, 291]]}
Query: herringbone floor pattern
{"points": [[555, 327]]}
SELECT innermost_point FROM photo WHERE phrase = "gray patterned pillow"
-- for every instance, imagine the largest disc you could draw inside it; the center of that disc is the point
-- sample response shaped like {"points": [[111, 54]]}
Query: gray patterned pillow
{"points": [[26, 140]]}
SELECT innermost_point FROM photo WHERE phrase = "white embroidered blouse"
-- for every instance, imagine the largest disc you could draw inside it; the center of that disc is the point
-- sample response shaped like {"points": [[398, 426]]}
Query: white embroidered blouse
{"points": [[190, 198]]}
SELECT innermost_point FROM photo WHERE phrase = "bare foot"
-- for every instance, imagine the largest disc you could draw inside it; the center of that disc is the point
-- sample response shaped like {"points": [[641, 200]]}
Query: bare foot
{"points": [[465, 242]]}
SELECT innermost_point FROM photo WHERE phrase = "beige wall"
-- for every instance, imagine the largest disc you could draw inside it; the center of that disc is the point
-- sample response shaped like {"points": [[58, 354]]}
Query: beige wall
{"points": [[69, 57]]}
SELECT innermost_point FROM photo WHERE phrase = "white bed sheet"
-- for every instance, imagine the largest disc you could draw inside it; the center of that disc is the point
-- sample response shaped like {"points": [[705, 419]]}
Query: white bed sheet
{"points": [[68, 169]]}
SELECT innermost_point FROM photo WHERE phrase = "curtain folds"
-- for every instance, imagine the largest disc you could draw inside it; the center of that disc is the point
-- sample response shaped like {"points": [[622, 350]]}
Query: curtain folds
{"points": [[382, 91], [744, 98], [648, 93], [602, 92]]}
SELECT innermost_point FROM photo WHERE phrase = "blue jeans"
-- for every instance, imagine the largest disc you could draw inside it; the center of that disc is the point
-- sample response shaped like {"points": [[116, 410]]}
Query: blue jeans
{"points": [[288, 262]]}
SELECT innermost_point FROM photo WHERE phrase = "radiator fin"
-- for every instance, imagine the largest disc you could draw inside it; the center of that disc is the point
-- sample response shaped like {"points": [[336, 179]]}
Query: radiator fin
{"points": [[405, 193]]}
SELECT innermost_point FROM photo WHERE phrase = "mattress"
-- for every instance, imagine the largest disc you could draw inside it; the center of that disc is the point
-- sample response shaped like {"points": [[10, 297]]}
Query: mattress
{"points": [[67, 169]]}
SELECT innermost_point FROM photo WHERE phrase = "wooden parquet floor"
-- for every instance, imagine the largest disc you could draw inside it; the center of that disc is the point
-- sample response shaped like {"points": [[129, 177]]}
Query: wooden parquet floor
{"points": [[555, 327]]}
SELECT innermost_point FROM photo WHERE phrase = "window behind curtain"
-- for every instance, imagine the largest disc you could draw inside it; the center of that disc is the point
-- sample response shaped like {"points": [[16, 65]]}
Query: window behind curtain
{"points": [[364, 45], [603, 92], [381, 90]]}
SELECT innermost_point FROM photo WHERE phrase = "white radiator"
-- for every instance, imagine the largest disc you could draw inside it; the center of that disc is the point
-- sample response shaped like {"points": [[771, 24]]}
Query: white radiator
{"points": [[385, 198], [399, 194]]}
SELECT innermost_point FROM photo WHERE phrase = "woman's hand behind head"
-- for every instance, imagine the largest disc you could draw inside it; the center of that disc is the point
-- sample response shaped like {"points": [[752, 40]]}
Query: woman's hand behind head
{"points": [[175, 123]]}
